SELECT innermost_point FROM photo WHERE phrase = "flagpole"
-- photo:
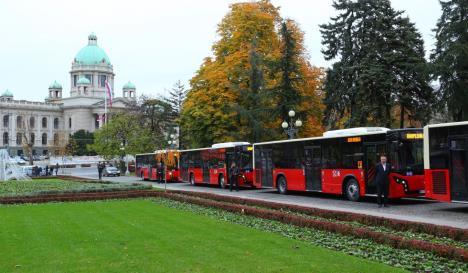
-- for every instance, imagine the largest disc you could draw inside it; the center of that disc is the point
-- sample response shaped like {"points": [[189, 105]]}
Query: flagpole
{"points": [[105, 108]]}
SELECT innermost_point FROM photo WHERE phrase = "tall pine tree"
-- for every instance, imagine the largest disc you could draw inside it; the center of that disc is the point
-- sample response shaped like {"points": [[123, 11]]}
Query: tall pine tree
{"points": [[450, 58], [380, 66]]}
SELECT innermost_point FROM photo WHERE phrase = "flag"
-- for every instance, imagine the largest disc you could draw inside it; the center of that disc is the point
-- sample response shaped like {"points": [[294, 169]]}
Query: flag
{"points": [[109, 93]]}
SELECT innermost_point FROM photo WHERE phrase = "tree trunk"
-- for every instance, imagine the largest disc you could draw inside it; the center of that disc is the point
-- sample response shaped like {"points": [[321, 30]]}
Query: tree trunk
{"points": [[402, 116]]}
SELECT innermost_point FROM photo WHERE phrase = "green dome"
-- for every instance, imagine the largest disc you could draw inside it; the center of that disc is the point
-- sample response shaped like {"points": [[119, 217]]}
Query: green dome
{"points": [[83, 80], [129, 85], [7, 93], [92, 54], [55, 85]]}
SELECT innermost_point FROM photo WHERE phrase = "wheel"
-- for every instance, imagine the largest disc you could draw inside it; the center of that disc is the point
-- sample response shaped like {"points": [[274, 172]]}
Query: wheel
{"points": [[222, 182], [282, 185], [192, 179], [352, 190]]}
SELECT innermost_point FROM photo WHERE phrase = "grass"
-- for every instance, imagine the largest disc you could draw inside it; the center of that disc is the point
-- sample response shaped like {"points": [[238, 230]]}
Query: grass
{"points": [[142, 236], [37, 186]]}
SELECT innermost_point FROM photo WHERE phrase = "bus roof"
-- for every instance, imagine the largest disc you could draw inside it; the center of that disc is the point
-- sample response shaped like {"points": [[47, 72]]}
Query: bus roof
{"points": [[228, 144], [448, 124], [355, 131], [321, 137]]}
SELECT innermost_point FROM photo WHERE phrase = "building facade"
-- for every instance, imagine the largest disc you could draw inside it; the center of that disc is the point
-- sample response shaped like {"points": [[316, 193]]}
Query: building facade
{"points": [[46, 126]]}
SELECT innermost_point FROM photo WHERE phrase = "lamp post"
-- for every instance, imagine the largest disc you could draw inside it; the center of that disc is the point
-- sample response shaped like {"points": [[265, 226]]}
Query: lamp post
{"points": [[122, 148], [172, 141], [291, 127]]}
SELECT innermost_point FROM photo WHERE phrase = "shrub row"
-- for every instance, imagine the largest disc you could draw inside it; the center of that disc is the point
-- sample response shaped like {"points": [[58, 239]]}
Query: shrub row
{"points": [[359, 232], [457, 234], [77, 196]]}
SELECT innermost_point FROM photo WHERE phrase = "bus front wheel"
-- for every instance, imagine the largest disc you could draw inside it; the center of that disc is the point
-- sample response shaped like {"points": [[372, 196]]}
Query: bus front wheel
{"points": [[352, 190], [282, 185]]}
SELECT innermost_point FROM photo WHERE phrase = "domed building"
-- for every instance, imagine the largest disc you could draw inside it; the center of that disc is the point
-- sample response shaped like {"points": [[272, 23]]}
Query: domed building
{"points": [[48, 124]]}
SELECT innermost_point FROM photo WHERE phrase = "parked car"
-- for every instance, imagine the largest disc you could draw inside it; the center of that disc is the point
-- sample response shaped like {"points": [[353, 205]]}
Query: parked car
{"points": [[111, 171], [18, 160]]}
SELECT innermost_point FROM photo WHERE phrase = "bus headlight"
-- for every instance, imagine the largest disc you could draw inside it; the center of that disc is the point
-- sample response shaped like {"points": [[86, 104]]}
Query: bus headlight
{"points": [[402, 182]]}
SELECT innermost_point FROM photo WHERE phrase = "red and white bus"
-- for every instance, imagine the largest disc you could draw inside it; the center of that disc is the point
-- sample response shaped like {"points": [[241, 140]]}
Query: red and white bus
{"points": [[342, 162], [446, 161], [162, 165], [211, 165]]}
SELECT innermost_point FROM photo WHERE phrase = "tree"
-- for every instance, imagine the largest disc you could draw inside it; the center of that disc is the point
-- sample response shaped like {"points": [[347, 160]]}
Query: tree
{"points": [[220, 102], [80, 141], [122, 130], [380, 66], [450, 58], [157, 116], [176, 98]]}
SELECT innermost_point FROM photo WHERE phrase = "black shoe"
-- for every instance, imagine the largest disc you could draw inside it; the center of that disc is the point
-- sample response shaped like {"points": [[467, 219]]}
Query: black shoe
{"points": [[380, 205]]}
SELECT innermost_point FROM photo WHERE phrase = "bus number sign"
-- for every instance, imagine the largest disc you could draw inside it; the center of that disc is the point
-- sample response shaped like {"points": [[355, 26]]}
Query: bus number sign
{"points": [[353, 139], [414, 136]]}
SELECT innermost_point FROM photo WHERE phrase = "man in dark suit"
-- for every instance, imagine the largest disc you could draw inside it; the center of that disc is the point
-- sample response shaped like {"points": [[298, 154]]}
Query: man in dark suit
{"points": [[382, 170], [233, 176]]}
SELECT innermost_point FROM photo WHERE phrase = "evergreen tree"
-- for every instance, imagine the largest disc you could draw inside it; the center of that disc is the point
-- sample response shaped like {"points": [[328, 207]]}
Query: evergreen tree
{"points": [[252, 105], [380, 66], [288, 66], [176, 98], [450, 58]]}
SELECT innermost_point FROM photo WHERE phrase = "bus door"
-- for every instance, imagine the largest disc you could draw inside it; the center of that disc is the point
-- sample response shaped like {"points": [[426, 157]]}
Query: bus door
{"points": [[459, 168], [266, 169], [372, 153], [206, 171], [313, 168]]}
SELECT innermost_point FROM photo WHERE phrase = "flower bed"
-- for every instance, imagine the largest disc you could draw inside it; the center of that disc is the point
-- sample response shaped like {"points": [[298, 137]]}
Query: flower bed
{"points": [[399, 225], [395, 241]]}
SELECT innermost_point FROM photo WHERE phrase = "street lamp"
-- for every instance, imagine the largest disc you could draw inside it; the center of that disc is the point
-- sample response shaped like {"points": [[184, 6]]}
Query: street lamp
{"points": [[291, 127], [172, 141], [122, 148]]}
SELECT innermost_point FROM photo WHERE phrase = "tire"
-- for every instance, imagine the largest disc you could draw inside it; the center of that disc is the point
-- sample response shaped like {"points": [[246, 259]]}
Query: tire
{"points": [[222, 182], [192, 179], [282, 185], [352, 190]]}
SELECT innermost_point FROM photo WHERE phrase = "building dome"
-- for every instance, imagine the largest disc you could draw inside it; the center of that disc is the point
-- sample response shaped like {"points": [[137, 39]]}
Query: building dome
{"points": [[7, 93], [55, 85], [92, 54], [83, 80], [129, 85]]}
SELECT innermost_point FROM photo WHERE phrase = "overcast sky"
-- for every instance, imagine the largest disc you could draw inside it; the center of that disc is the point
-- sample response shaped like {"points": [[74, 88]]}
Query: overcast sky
{"points": [[151, 43]]}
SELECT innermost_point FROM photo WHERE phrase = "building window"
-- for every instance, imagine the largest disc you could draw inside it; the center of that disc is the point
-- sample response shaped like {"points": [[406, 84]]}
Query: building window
{"points": [[56, 139], [5, 139], [33, 139], [102, 80], [6, 121], [19, 122], [75, 79], [89, 77], [44, 122], [96, 121], [69, 123], [56, 123], [32, 122], [45, 152], [44, 139], [19, 139], [57, 94]]}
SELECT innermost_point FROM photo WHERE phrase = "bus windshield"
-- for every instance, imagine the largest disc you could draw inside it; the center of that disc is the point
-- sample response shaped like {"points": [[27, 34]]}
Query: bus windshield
{"points": [[409, 157], [246, 160]]}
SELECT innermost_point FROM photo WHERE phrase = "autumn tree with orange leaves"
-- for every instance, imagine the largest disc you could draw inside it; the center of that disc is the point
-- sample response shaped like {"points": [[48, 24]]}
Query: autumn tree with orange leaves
{"points": [[239, 93]]}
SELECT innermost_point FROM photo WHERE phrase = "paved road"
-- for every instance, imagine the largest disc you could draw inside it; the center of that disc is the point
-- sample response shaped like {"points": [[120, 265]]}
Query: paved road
{"points": [[419, 210]]}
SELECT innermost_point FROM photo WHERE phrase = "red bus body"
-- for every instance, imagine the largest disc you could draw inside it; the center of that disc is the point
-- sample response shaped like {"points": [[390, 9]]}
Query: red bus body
{"points": [[446, 161], [159, 166], [328, 164], [211, 165]]}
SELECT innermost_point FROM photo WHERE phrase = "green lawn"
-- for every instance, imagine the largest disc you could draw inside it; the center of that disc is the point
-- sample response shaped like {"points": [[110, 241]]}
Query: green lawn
{"points": [[19, 188], [141, 236]]}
